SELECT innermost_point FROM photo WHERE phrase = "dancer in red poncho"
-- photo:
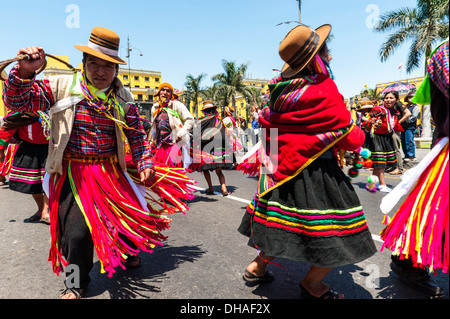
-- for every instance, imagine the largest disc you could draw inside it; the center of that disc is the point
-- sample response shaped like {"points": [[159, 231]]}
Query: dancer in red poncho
{"points": [[305, 209]]}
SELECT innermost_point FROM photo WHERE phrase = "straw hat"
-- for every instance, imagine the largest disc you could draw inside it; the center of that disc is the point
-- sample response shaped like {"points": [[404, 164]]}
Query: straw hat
{"points": [[208, 104], [300, 46], [103, 44], [365, 105], [229, 110]]}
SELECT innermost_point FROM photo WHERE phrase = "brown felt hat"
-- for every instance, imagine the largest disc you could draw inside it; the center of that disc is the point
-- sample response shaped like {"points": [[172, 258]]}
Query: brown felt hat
{"points": [[300, 46], [103, 44]]}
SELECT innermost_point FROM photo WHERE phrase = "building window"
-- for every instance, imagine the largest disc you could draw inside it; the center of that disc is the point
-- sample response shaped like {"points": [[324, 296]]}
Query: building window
{"points": [[147, 79], [136, 78], [136, 86], [140, 97], [150, 97], [156, 79], [125, 77]]}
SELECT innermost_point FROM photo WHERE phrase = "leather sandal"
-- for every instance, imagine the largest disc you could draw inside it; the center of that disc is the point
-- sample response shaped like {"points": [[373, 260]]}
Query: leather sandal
{"points": [[396, 172], [330, 294], [133, 262], [78, 292], [249, 277]]}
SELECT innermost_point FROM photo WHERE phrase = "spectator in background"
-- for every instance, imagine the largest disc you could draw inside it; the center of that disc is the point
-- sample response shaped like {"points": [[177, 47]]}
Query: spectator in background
{"points": [[409, 126], [402, 114]]}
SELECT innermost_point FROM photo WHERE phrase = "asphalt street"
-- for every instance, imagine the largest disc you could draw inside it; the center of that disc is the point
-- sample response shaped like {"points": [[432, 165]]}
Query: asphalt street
{"points": [[204, 256]]}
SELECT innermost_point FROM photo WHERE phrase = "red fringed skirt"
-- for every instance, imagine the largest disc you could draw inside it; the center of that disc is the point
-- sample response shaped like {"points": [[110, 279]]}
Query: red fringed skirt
{"points": [[113, 204]]}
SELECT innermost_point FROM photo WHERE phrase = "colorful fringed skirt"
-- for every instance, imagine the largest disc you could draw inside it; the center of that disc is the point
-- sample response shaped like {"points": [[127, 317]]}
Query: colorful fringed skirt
{"points": [[316, 217], [5, 166], [383, 151], [419, 230], [170, 155], [28, 168], [113, 209]]}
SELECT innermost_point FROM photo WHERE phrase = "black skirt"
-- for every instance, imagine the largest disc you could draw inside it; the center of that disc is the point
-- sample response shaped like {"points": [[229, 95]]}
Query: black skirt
{"points": [[316, 217], [383, 151], [28, 168]]}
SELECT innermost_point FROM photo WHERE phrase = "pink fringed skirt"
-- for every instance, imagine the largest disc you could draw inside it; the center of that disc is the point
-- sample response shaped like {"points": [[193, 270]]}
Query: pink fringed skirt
{"points": [[419, 229], [112, 206]]}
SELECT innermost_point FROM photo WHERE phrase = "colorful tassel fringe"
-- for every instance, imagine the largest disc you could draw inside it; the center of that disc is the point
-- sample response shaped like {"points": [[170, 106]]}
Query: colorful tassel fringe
{"points": [[113, 211], [420, 228]]}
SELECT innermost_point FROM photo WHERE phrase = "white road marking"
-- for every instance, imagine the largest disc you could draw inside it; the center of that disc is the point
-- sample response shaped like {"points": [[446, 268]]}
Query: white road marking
{"points": [[374, 237]]}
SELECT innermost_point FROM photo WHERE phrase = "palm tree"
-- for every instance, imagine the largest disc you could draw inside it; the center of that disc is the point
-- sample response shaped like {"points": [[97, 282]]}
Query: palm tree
{"points": [[230, 83], [424, 25], [194, 84], [210, 93]]}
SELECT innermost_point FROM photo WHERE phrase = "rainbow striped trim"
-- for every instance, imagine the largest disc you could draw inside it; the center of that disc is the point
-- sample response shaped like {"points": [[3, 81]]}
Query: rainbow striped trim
{"points": [[322, 223]]}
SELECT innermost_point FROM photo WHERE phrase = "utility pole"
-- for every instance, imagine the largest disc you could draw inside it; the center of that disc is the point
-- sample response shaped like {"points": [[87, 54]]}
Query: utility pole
{"points": [[129, 65], [299, 11]]}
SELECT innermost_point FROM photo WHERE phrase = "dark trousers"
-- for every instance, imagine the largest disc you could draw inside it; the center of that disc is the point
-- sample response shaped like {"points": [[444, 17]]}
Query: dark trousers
{"points": [[76, 240]]}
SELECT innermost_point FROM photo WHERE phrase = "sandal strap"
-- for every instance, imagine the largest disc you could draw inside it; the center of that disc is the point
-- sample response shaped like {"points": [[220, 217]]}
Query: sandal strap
{"points": [[78, 292]]}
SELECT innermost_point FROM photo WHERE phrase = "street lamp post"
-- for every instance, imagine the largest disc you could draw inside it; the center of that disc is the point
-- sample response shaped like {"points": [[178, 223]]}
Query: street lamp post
{"points": [[299, 11], [129, 49]]}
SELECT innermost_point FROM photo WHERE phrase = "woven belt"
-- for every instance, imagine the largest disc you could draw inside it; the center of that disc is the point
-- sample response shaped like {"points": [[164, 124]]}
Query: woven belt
{"points": [[91, 159]]}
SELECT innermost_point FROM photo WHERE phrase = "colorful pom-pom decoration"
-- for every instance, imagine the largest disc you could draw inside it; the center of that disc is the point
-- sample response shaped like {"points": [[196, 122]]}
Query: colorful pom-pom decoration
{"points": [[373, 179], [353, 172], [368, 163], [371, 187], [358, 163], [365, 153]]}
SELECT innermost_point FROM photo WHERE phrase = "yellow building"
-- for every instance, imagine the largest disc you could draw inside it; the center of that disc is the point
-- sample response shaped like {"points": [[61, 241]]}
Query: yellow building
{"points": [[416, 81]]}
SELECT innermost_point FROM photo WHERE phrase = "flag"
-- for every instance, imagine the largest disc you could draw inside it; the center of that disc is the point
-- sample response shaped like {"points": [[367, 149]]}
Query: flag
{"points": [[366, 86], [400, 66]]}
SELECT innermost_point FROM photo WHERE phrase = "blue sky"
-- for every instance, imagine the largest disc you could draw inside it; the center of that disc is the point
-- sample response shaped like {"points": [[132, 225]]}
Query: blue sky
{"points": [[178, 37]]}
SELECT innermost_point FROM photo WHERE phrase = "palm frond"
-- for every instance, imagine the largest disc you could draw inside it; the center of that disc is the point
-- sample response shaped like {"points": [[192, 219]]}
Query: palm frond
{"points": [[401, 18], [395, 40]]}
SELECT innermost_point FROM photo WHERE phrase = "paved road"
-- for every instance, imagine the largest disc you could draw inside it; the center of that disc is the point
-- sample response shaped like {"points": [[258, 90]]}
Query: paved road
{"points": [[203, 258]]}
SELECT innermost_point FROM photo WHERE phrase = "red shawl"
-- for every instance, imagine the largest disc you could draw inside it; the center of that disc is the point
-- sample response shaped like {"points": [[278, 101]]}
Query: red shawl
{"points": [[310, 116]]}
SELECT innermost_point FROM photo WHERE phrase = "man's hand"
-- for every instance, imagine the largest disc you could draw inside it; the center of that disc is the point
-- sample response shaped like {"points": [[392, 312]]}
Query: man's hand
{"points": [[147, 175], [27, 67]]}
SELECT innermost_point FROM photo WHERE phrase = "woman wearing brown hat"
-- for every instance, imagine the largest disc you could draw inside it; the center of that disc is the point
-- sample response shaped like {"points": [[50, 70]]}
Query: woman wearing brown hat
{"points": [[305, 209]]}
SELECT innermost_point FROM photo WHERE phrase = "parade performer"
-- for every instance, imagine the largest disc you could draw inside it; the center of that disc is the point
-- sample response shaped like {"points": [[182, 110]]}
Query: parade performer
{"points": [[232, 131], [25, 162], [172, 123], [213, 145], [305, 209], [93, 202], [381, 123], [418, 233]]}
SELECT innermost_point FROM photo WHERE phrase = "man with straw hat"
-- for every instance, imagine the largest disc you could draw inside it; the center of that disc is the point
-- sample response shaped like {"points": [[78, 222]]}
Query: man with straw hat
{"points": [[212, 142], [93, 201], [172, 123], [305, 209]]}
